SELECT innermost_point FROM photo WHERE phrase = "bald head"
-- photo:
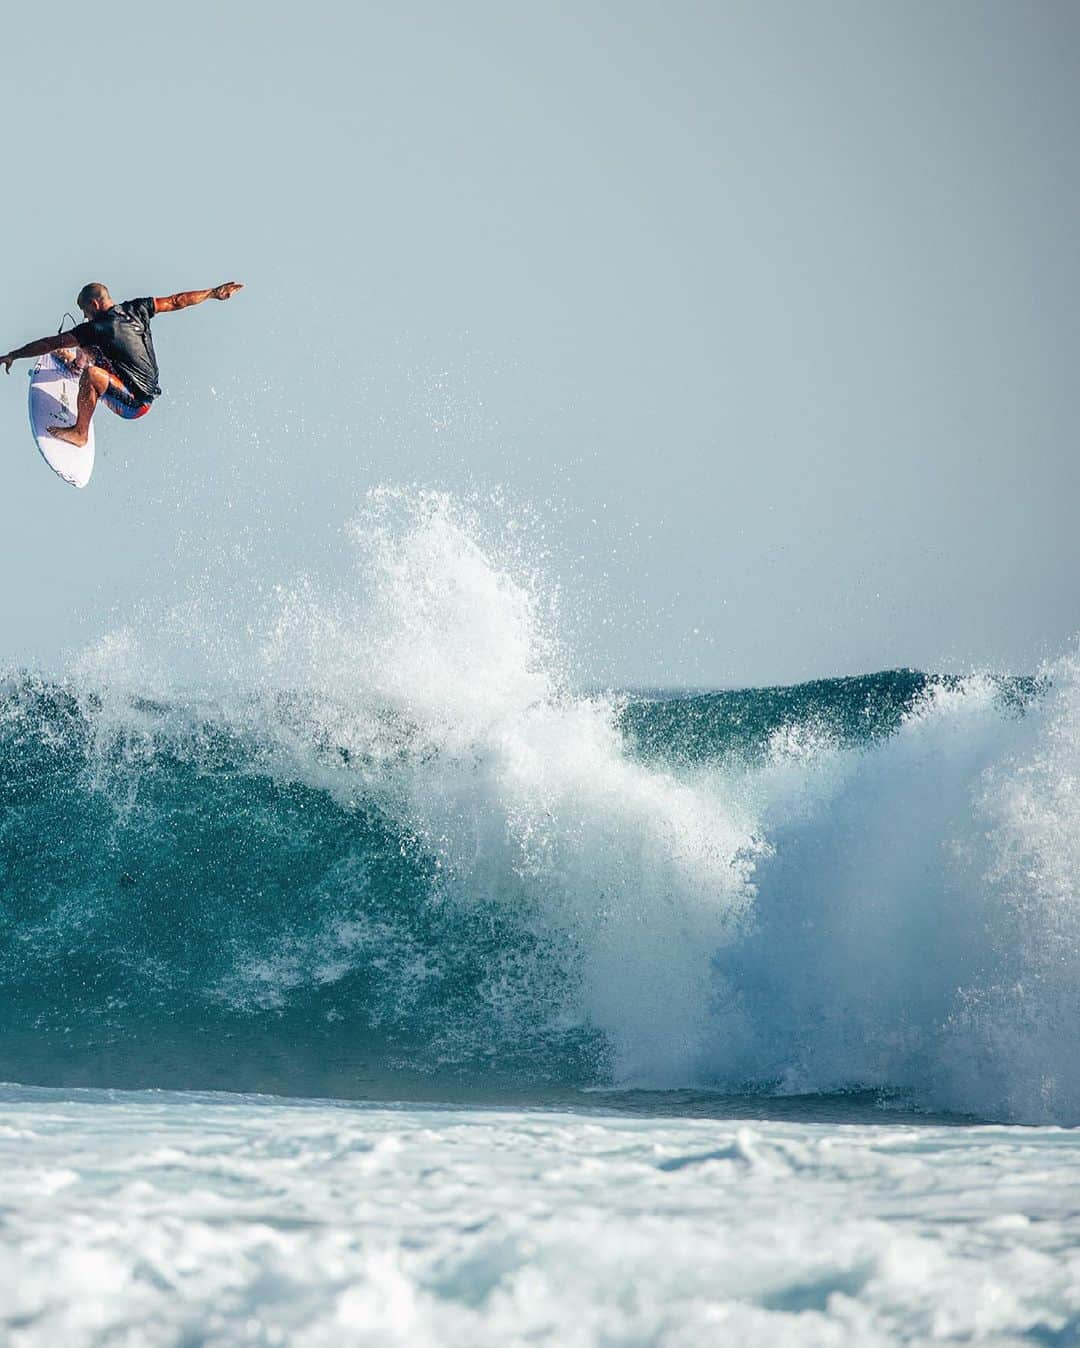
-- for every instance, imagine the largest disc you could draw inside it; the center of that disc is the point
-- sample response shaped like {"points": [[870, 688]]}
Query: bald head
{"points": [[94, 297]]}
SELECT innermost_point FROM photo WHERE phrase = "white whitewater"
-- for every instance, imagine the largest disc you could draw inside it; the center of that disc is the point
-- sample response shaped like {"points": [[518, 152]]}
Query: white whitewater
{"points": [[166, 1220]]}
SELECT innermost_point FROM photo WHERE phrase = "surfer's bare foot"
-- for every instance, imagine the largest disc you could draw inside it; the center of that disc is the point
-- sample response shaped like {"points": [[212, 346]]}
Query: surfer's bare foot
{"points": [[69, 435]]}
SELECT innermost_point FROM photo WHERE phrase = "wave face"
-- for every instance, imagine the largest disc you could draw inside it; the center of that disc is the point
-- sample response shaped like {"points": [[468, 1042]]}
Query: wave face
{"points": [[384, 848]]}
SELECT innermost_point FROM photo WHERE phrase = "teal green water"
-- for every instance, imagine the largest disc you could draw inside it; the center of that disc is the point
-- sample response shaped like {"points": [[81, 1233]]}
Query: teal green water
{"points": [[180, 910]]}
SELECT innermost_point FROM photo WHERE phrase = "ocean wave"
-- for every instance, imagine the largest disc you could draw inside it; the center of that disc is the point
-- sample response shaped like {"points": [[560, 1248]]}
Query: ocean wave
{"points": [[394, 848]]}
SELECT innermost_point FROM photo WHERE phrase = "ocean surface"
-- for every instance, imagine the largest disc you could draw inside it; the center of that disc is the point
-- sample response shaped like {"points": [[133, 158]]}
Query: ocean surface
{"points": [[364, 980]]}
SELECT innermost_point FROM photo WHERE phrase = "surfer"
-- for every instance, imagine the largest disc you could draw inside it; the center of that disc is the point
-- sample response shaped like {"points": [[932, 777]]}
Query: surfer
{"points": [[116, 352]]}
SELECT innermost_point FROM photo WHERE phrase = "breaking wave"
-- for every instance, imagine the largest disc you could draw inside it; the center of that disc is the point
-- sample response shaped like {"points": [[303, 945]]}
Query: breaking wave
{"points": [[374, 842]]}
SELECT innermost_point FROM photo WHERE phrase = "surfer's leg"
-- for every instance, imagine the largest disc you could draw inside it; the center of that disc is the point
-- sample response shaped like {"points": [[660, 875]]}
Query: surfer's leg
{"points": [[92, 385], [123, 402]]}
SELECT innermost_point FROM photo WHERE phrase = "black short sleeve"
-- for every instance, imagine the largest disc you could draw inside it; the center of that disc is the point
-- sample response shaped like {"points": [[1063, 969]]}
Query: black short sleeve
{"points": [[121, 342]]}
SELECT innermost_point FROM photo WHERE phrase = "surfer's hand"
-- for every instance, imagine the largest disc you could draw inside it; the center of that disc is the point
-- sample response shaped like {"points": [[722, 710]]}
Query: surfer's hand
{"points": [[8, 362], [226, 291]]}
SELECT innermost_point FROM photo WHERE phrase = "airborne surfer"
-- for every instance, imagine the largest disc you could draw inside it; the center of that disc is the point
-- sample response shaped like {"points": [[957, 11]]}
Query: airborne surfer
{"points": [[114, 351]]}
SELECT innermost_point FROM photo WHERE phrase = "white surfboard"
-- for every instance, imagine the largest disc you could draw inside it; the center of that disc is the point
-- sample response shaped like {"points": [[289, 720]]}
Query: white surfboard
{"points": [[54, 391]]}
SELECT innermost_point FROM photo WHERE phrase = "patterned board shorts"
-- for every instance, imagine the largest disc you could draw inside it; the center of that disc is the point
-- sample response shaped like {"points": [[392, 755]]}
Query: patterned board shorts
{"points": [[124, 403]]}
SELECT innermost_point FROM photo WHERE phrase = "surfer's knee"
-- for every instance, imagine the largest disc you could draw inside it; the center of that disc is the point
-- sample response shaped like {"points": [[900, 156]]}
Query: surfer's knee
{"points": [[97, 378]]}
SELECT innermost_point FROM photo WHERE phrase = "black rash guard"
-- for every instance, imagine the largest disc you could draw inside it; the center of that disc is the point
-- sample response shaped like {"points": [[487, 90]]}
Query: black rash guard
{"points": [[122, 337]]}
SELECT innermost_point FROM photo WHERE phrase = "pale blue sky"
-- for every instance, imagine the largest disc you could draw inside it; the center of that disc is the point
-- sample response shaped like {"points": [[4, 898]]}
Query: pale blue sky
{"points": [[782, 296]]}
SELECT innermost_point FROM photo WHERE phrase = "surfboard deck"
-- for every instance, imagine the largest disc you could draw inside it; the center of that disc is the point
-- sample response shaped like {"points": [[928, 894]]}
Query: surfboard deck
{"points": [[54, 392]]}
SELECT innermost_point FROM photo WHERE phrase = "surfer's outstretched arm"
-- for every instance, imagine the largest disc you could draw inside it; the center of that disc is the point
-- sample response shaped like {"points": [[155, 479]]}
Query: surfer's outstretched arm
{"points": [[41, 347], [184, 299]]}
